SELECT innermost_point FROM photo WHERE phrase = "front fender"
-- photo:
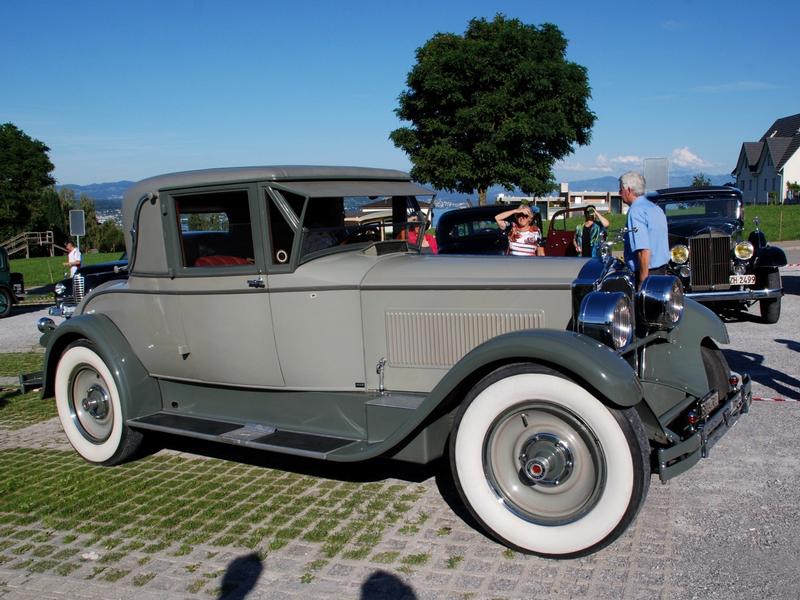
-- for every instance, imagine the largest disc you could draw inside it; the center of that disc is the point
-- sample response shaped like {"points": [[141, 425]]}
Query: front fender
{"points": [[572, 353], [596, 366], [139, 393], [770, 257]]}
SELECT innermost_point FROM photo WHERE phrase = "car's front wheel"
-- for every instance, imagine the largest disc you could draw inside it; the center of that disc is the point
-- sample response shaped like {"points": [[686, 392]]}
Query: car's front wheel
{"points": [[5, 303], [771, 307], [544, 465], [89, 407]]}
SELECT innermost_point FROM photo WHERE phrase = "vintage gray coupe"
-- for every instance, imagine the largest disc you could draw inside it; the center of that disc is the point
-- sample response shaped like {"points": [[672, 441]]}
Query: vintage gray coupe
{"points": [[255, 315]]}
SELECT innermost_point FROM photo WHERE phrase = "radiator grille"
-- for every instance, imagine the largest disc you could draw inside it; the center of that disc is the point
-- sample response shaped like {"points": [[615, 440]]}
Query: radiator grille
{"points": [[709, 258], [441, 338], [77, 287]]}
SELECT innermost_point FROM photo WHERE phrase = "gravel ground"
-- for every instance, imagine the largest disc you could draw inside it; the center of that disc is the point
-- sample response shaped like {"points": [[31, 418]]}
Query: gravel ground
{"points": [[18, 331]]}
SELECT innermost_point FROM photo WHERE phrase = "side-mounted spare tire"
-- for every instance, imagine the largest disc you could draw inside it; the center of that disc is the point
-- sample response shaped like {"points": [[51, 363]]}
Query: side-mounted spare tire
{"points": [[545, 466], [89, 407]]}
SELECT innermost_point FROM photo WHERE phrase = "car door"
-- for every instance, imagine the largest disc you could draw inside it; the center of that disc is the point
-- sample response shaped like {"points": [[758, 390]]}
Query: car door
{"points": [[220, 285], [560, 236]]}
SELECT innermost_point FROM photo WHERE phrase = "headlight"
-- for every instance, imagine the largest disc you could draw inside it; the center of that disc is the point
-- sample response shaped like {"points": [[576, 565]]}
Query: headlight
{"points": [[680, 254], [607, 317], [60, 288], [660, 301], [743, 250]]}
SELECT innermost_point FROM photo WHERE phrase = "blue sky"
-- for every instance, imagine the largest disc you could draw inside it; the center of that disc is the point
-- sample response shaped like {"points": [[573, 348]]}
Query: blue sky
{"points": [[126, 90]]}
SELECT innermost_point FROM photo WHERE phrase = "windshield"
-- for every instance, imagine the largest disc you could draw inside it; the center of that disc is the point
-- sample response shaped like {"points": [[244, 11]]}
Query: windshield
{"points": [[697, 208], [342, 223]]}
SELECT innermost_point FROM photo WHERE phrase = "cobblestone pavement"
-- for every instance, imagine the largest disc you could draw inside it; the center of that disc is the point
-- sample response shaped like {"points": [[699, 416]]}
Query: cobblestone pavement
{"points": [[727, 529]]}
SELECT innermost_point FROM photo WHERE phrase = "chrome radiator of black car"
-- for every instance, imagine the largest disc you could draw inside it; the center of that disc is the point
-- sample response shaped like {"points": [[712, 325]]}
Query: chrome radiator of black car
{"points": [[709, 259], [77, 287]]}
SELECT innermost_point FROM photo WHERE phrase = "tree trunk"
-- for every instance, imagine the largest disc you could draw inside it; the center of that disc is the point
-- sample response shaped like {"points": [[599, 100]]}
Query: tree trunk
{"points": [[482, 196]]}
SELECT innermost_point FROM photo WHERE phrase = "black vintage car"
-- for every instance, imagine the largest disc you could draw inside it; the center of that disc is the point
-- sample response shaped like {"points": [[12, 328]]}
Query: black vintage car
{"points": [[717, 262], [474, 231], [70, 291]]}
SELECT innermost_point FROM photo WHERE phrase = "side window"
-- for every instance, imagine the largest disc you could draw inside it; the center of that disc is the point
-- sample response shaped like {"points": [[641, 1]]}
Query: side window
{"points": [[281, 232], [215, 229]]}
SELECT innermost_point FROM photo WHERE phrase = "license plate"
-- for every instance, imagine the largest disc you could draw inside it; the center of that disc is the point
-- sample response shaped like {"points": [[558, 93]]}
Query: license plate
{"points": [[742, 279]]}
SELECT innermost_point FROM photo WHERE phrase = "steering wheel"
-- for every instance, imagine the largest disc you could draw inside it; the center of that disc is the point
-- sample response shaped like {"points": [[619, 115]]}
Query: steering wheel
{"points": [[367, 233]]}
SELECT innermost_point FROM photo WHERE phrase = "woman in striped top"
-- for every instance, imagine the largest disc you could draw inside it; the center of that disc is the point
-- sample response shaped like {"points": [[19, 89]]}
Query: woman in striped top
{"points": [[524, 238]]}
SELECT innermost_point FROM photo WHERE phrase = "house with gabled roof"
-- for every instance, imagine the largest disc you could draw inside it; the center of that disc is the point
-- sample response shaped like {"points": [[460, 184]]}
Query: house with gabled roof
{"points": [[767, 166]]}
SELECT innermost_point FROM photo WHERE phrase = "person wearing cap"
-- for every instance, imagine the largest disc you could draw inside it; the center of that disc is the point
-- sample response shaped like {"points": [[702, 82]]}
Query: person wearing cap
{"points": [[589, 235], [524, 238]]}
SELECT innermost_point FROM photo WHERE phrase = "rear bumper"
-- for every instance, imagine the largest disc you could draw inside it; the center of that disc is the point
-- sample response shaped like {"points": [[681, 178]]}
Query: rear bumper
{"points": [[682, 456], [745, 295]]}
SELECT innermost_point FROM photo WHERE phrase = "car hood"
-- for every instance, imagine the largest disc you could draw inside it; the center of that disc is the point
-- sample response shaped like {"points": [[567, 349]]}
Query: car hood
{"points": [[473, 272], [682, 230]]}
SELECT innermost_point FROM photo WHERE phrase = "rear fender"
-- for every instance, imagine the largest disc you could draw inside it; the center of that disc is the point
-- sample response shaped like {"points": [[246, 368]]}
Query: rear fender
{"points": [[139, 393]]}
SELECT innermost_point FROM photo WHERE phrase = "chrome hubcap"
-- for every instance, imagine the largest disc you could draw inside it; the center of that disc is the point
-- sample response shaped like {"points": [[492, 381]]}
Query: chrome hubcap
{"points": [[96, 402], [90, 404], [544, 463], [545, 460]]}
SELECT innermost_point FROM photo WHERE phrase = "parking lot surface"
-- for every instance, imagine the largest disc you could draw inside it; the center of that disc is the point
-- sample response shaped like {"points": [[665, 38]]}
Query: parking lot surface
{"points": [[727, 529]]}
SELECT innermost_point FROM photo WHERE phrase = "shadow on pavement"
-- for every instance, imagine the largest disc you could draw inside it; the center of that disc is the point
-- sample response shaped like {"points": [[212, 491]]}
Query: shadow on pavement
{"points": [[783, 384], [791, 284], [385, 586], [372, 470], [240, 577], [23, 309]]}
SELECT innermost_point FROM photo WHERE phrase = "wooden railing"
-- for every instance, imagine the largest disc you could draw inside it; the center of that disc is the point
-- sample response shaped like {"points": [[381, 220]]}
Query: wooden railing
{"points": [[26, 239]]}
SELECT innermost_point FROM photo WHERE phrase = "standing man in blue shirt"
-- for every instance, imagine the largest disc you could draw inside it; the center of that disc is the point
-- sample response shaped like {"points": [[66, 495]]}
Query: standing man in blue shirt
{"points": [[646, 242]]}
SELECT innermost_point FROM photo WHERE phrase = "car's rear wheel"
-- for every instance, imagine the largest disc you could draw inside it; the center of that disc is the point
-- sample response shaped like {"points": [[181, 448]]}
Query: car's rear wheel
{"points": [[545, 466], [5, 303], [771, 307], [89, 407]]}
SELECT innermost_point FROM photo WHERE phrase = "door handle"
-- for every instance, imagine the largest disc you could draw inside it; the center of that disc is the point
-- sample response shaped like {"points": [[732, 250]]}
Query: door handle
{"points": [[256, 283]]}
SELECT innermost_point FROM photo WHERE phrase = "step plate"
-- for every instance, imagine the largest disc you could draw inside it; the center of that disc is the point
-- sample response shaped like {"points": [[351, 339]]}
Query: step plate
{"points": [[189, 424], [261, 437], [303, 441]]}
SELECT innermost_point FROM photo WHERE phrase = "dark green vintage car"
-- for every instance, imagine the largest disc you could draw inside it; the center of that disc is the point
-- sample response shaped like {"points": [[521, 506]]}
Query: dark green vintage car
{"points": [[254, 314]]}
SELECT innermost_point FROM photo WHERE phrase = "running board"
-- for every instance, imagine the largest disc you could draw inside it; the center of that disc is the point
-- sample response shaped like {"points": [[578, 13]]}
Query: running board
{"points": [[256, 436]]}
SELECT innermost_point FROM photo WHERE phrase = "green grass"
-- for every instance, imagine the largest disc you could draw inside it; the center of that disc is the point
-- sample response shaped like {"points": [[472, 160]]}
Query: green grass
{"points": [[14, 363], [21, 410], [41, 530], [779, 223], [45, 270]]}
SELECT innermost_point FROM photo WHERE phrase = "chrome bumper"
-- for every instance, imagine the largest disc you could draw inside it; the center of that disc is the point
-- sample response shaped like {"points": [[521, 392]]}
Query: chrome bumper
{"points": [[682, 456], [710, 296], [62, 310]]}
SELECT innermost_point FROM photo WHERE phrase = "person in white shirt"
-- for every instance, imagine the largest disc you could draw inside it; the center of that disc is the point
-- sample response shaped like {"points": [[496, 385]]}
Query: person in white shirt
{"points": [[525, 238], [73, 260]]}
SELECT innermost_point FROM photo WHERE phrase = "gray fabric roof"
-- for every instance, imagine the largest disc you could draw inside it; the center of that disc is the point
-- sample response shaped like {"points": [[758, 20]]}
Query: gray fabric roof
{"points": [[268, 173]]}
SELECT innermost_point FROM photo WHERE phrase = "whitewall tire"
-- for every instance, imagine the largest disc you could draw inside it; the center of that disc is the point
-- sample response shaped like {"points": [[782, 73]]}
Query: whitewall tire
{"points": [[544, 465], [89, 407]]}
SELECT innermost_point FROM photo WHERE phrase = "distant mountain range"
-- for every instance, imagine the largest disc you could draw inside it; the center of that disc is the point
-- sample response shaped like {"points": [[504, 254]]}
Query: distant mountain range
{"points": [[109, 195]]}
